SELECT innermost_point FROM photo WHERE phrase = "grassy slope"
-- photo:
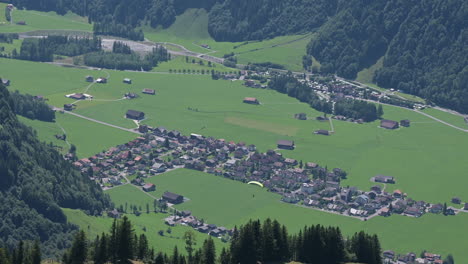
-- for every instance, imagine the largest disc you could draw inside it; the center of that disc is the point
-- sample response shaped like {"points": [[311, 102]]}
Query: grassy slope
{"points": [[366, 75], [447, 117], [191, 30], [179, 63], [416, 156], [39, 20]]}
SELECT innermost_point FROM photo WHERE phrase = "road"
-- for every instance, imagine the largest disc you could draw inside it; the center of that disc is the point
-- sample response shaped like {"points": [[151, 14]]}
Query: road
{"points": [[97, 121]]}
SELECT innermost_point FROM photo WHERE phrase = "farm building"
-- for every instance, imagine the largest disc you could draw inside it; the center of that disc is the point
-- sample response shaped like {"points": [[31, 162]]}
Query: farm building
{"points": [[21, 23], [127, 81], [405, 123], [113, 214], [389, 124], [285, 144], [322, 118], [149, 187], [322, 132], [89, 78], [149, 91], [6, 82], [300, 116], [251, 100], [384, 179], [67, 107], [135, 115], [466, 119], [101, 80], [173, 198], [78, 96]]}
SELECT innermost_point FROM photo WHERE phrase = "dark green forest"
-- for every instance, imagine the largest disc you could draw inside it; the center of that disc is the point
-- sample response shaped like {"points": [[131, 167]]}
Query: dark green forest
{"points": [[35, 183], [255, 242], [32, 107]]}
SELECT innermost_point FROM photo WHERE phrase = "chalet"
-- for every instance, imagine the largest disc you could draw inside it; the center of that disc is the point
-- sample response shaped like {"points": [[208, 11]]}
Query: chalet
{"points": [[384, 212], [160, 131], [321, 118], [376, 189], [130, 95], [436, 208], [101, 80], [384, 179], [413, 211], [466, 119], [300, 116], [135, 115], [405, 123], [6, 82], [465, 207], [173, 198], [174, 134], [78, 96], [148, 91], [21, 23], [389, 254], [456, 200], [397, 193], [251, 100], [89, 78], [285, 144], [362, 199], [113, 214], [322, 132], [311, 165], [67, 107], [127, 81], [149, 187], [389, 124]]}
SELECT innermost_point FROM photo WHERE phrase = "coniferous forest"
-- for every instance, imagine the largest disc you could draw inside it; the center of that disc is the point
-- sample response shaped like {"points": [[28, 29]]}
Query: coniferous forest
{"points": [[35, 183], [254, 242]]}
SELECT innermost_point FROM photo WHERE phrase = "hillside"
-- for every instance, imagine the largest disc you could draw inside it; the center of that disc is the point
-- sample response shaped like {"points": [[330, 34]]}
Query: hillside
{"points": [[35, 182]]}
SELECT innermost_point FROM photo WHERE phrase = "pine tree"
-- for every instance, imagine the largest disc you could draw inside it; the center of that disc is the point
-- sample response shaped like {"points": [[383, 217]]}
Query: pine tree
{"points": [[36, 255], [225, 257], [142, 247], [190, 241], [125, 240], [175, 256], [209, 252], [18, 254], [79, 250], [159, 259]]}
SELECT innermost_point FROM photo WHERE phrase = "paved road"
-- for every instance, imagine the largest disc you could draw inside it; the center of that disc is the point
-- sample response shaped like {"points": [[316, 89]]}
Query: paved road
{"points": [[99, 122]]}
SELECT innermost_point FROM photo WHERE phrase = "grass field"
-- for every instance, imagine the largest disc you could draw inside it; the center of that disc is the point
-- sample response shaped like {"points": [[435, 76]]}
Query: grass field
{"points": [[179, 63], [367, 75], [416, 156], [40, 20], [226, 202], [191, 30], [447, 117]]}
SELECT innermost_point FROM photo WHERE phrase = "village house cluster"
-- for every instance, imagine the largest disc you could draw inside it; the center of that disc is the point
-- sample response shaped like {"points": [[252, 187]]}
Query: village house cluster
{"points": [[390, 257], [305, 183]]}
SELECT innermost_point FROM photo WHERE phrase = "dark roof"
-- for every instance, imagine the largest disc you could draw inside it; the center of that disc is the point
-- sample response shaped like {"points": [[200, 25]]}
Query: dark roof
{"points": [[322, 132], [172, 196], [134, 113], [285, 143], [389, 124]]}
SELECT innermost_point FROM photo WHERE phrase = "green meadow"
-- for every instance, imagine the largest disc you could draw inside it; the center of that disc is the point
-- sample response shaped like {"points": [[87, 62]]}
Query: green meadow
{"points": [[179, 63], [191, 30], [225, 202], [423, 158], [41, 20]]}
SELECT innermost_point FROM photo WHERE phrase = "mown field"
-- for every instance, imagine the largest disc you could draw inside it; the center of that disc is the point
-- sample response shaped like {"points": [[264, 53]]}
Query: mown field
{"points": [[179, 63], [226, 202], [423, 158], [40, 20]]}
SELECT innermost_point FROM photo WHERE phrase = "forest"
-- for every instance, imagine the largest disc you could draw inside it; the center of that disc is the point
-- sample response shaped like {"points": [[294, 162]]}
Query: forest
{"points": [[35, 183], [32, 107], [423, 43], [252, 243], [123, 58], [43, 49]]}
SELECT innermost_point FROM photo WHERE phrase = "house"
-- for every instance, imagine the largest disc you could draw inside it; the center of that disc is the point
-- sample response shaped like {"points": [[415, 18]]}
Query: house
{"points": [[127, 81], [389, 254], [21, 23], [174, 134], [135, 115], [413, 211], [311, 165], [173, 198], [6, 82], [251, 100], [114, 214], [285, 144], [89, 78], [149, 187], [405, 123], [389, 124], [77, 96], [159, 167], [362, 199], [384, 179], [384, 212], [67, 107], [436, 208], [322, 132], [290, 198], [397, 193], [465, 207], [149, 91], [101, 80], [456, 200], [300, 116]]}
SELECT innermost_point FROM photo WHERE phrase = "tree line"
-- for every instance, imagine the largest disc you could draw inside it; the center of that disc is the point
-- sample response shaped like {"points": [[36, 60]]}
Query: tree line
{"points": [[31, 107], [35, 183], [123, 58], [43, 49], [8, 37]]}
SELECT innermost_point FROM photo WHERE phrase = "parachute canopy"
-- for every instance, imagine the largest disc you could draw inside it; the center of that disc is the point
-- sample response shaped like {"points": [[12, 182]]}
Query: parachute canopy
{"points": [[256, 183]]}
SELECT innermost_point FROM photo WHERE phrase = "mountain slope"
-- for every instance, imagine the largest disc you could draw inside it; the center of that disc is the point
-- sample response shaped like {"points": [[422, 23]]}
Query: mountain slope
{"points": [[35, 182]]}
